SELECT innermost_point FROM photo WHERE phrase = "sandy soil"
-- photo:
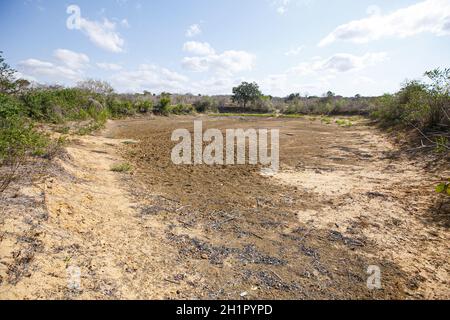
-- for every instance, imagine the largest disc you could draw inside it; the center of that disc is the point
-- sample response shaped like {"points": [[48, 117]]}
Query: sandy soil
{"points": [[343, 200]]}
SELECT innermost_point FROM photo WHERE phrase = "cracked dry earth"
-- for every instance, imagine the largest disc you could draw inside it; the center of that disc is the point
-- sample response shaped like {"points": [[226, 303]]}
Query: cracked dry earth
{"points": [[338, 205]]}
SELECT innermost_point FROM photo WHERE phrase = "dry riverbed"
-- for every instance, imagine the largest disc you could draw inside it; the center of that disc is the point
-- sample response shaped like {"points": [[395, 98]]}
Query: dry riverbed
{"points": [[343, 200]]}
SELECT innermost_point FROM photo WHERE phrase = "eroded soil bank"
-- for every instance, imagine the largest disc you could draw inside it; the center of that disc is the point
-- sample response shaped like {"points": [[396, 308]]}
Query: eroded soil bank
{"points": [[343, 200]]}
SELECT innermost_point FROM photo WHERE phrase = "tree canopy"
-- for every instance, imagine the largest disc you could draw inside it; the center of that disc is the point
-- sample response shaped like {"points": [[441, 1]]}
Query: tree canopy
{"points": [[7, 76], [245, 93]]}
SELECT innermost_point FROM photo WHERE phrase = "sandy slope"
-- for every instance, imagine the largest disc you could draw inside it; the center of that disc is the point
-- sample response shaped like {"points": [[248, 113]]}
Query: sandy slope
{"points": [[91, 225]]}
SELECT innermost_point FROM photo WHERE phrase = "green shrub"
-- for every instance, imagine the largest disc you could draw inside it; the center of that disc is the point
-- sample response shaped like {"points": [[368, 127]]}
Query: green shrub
{"points": [[55, 105], [344, 123], [326, 120], [441, 144], [263, 104], [422, 105], [90, 128], [443, 188], [122, 167], [18, 139], [10, 106], [101, 117], [163, 105], [296, 106], [120, 107], [206, 104], [144, 106], [181, 109]]}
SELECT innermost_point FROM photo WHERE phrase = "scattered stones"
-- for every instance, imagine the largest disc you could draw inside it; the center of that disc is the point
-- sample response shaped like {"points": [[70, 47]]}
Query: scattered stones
{"points": [[375, 194], [153, 210], [309, 252], [337, 236], [250, 254]]}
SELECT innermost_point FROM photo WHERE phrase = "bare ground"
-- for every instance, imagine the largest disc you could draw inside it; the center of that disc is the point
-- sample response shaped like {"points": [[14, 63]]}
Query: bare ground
{"points": [[343, 200]]}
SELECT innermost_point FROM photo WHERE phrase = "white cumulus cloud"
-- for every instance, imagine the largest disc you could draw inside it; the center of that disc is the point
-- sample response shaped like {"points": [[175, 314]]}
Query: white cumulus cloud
{"points": [[432, 16], [193, 31], [295, 51], [282, 5], [198, 48], [338, 63], [150, 77], [44, 69], [225, 63], [71, 59], [67, 66], [103, 34], [109, 66]]}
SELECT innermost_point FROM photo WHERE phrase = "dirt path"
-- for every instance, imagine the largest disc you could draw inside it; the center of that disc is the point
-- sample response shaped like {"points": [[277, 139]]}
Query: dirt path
{"points": [[338, 205]]}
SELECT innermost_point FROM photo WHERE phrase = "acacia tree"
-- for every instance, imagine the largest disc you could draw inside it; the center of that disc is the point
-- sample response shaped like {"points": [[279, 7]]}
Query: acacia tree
{"points": [[245, 93]]}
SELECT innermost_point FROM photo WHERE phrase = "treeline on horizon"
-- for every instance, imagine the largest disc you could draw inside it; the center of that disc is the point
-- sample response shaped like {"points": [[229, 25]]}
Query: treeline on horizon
{"points": [[424, 106], [97, 99]]}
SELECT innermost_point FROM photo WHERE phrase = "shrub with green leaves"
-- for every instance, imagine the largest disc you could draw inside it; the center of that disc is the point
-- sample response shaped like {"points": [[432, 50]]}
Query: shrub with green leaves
{"points": [[296, 106], [420, 104], [144, 106], [206, 104], [121, 167], [443, 188], [56, 105], [181, 109], [121, 107], [17, 134], [18, 139], [10, 106], [163, 105], [344, 123], [263, 104]]}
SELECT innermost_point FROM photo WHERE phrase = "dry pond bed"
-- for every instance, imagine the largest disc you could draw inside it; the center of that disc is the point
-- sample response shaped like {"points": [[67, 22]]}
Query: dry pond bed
{"points": [[343, 200]]}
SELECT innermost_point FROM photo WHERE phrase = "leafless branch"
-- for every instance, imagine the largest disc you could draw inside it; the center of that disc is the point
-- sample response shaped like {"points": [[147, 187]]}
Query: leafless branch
{"points": [[426, 137]]}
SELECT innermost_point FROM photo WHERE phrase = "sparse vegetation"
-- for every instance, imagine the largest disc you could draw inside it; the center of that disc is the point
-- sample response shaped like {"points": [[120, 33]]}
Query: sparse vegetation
{"points": [[326, 120], [292, 116], [121, 167], [181, 109], [205, 105], [423, 106], [260, 115], [163, 105], [25, 116], [443, 188], [18, 140], [329, 104], [18, 137], [344, 122]]}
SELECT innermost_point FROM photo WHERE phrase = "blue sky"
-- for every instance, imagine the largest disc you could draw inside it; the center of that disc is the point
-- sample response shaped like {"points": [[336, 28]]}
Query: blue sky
{"points": [[204, 46]]}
